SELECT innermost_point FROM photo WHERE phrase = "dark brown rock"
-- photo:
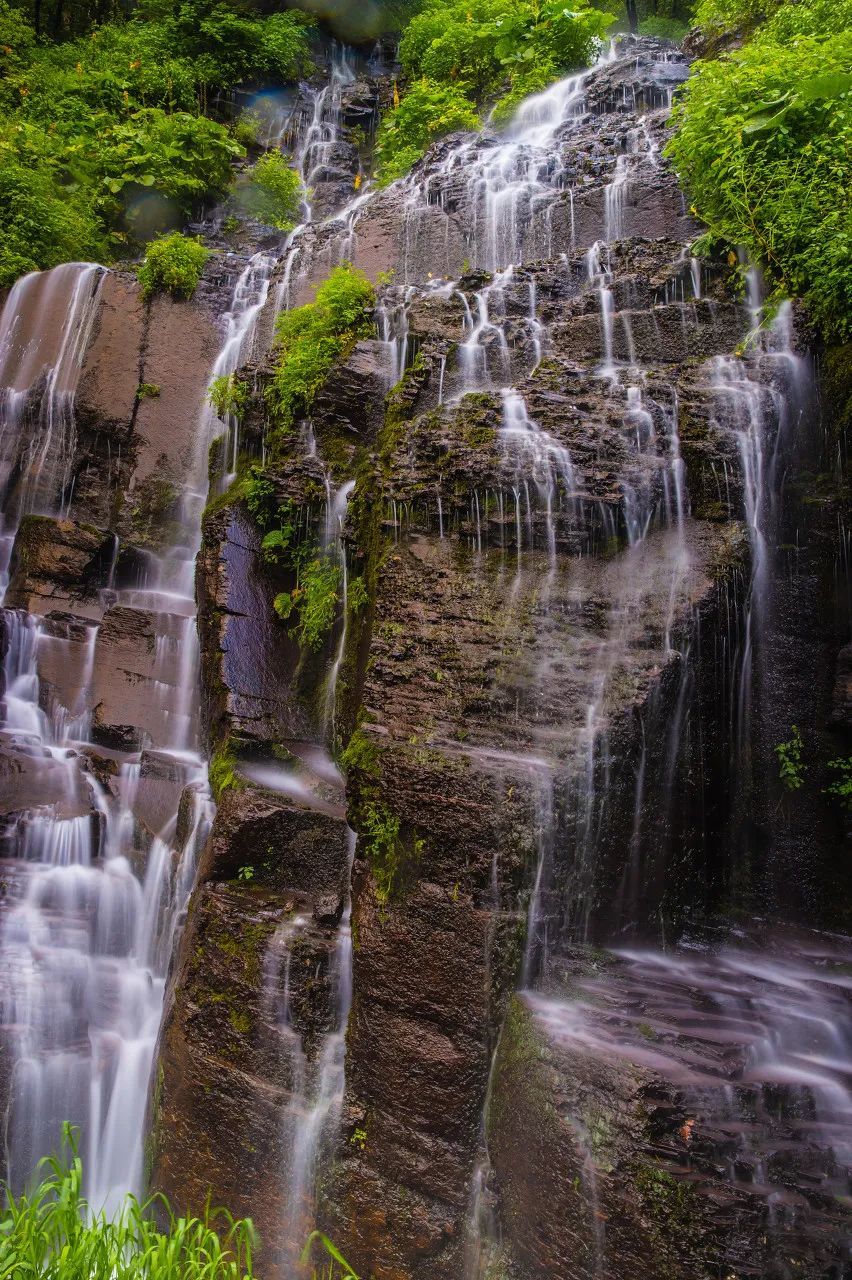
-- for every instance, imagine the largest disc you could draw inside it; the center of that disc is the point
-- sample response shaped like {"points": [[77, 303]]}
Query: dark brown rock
{"points": [[58, 565]]}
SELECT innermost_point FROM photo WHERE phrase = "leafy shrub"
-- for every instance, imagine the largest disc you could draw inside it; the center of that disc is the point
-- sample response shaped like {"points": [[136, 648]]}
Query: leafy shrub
{"points": [[733, 15], [228, 395], [663, 28], [273, 192], [460, 55], [311, 338], [42, 221], [427, 112], [227, 46], [841, 787], [762, 143], [791, 766], [246, 129], [173, 265], [18, 40], [184, 158], [105, 142]]}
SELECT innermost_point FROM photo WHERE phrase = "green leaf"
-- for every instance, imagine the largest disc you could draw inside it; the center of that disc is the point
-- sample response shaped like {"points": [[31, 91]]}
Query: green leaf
{"points": [[766, 119], [830, 85]]}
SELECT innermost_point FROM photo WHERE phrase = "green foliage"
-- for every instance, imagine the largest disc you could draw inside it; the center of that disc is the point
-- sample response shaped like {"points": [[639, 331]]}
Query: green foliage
{"points": [[223, 773], [52, 1234], [357, 595], [104, 141], [460, 55], [147, 391], [42, 222], [313, 601], [332, 1252], [272, 192], [380, 831], [261, 498], [311, 338], [181, 157], [245, 874], [228, 395], [663, 28], [733, 15], [173, 265], [763, 142], [791, 767], [841, 788], [246, 129], [278, 541], [428, 111], [18, 40]]}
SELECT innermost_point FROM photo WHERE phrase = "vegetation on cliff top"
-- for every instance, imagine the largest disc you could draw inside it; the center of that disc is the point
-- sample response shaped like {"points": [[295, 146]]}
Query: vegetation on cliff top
{"points": [[764, 136], [460, 56], [107, 138]]}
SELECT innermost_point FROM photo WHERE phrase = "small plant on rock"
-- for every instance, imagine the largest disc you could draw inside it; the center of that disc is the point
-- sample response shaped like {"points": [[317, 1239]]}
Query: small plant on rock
{"points": [[841, 788], [272, 191], [791, 767], [173, 265], [228, 395]]}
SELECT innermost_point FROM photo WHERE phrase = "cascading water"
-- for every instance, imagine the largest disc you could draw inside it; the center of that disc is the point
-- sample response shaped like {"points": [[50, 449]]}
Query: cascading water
{"points": [[45, 328], [501, 203], [91, 913]]}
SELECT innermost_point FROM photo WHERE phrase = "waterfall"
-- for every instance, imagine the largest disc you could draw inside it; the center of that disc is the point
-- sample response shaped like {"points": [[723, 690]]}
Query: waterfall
{"points": [[45, 328], [86, 935]]}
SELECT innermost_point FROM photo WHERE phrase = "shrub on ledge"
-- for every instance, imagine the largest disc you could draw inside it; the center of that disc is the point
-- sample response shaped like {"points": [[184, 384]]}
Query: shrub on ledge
{"points": [[173, 265]]}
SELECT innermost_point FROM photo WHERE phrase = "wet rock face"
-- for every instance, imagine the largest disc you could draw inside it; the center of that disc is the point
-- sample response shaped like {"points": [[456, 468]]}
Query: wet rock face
{"points": [[58, 564], [251, 1003], [225, 1078], [248, 661], [537, 696], [638, 1119]]}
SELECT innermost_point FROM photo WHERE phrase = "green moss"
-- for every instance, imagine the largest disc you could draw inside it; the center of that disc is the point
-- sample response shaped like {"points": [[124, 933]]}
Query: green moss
{"points": [[600, 1136], [223, 772], [311, 338], [154, 502], [521, 1058], [235, 493], [361, 754], [836, 387], [671, 1203], [240, 1021], [390, 851]]}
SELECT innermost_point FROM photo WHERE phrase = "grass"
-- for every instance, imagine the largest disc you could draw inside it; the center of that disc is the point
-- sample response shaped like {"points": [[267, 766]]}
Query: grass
{"points": [[52, 1233]]}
